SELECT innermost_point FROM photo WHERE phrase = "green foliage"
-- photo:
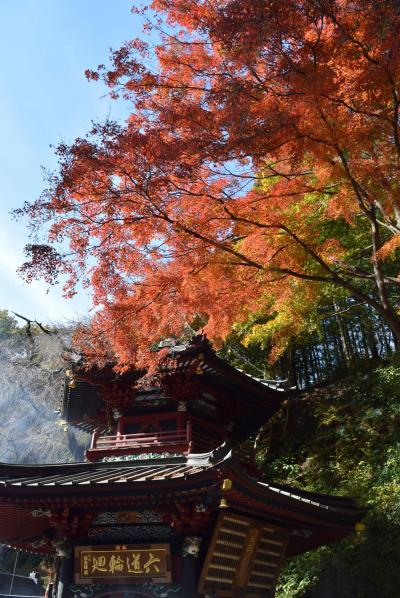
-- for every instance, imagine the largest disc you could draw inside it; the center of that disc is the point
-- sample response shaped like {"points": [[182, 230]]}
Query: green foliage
{"points": [[345, 439]]}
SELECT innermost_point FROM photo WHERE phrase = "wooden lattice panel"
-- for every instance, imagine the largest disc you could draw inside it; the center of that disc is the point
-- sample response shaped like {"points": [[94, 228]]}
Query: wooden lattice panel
{"points": [[267, 561], [244, 558]]}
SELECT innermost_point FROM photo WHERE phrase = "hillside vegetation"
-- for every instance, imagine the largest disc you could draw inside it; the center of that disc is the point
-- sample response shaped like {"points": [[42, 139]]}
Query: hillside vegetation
{"points": [[344, 438]]}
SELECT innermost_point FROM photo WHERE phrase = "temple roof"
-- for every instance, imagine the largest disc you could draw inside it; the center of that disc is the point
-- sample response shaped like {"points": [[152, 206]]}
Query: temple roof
{"points": [[257, 401], [221, 373], [169, 479], [100, 475], [96, 474]]}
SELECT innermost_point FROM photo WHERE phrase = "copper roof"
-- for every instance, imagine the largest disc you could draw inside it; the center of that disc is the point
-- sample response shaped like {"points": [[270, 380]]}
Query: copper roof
{"points": [[257, 400], [154, 474], [165, 482]]}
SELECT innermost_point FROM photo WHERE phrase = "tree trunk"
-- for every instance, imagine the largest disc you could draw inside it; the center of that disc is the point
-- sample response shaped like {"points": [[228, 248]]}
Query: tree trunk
{"points": [[343, 336], [389, 314], [370, 326], [384, 338]]}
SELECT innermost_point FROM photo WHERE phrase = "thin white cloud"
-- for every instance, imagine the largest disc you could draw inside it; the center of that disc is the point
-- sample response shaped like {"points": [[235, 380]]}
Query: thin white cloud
{"points": [[35, 300]]}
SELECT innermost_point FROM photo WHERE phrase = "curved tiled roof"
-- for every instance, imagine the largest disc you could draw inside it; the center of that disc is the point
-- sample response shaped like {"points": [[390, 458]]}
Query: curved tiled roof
{"points": [[29, 494], [154, 473], [258, 399]]}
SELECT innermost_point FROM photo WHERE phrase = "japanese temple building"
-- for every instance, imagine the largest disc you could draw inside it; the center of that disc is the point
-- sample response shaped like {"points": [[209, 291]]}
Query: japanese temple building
{"points": [[167, 504]]}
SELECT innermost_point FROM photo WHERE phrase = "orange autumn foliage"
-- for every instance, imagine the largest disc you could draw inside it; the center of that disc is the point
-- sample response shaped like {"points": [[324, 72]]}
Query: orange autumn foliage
{"points": [[259, 121]]}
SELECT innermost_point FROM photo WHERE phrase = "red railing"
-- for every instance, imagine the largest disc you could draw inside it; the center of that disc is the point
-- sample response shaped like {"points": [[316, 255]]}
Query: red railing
{"points": [[144, 439], [182, 441], [106, 446]]}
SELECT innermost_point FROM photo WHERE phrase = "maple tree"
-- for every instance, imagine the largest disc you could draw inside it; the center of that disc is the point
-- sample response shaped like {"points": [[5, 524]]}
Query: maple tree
{"points": [[260, 123]]}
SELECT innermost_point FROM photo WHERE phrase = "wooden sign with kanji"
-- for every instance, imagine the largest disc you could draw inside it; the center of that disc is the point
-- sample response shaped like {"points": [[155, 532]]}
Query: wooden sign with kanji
{"points": [[117, 564]]}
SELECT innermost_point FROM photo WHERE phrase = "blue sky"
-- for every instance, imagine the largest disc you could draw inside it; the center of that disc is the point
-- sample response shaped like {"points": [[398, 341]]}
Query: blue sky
{"points": [[45, 47]]}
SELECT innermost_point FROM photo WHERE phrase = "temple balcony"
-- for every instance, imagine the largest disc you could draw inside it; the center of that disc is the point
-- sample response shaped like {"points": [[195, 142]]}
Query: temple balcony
{"points": [[182, 440]]}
